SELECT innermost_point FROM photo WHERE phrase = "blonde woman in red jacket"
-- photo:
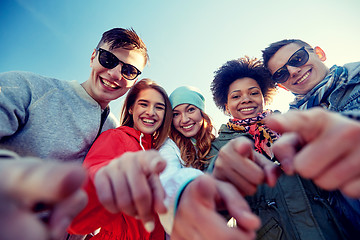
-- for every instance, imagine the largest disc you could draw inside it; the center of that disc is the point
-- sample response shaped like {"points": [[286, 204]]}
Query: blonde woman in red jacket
{"points": [[123, 186]]}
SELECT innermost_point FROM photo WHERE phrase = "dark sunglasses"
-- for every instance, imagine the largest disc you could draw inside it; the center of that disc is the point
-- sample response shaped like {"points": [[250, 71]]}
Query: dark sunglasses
{"points": [[299, 58], [109, 60]]}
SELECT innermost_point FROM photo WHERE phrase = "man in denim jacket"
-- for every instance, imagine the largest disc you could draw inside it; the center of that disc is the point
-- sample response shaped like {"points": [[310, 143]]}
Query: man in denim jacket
{"points": [[299, 68]]}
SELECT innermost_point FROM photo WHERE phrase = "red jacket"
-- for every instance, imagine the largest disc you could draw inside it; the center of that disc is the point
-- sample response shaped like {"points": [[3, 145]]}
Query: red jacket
{"points": [[111, 144]]}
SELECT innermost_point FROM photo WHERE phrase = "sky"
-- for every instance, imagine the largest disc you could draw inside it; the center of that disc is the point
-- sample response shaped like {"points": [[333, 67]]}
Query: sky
{"points": [[187, 40]]}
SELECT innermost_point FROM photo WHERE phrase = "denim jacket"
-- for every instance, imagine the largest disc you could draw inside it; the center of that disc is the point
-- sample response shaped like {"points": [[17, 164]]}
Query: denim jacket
{"points": [[294, 209], [346, 97]]}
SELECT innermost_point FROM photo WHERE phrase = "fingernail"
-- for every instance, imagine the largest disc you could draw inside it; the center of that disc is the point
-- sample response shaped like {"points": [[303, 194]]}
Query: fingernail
{"points": [[149, 226]]}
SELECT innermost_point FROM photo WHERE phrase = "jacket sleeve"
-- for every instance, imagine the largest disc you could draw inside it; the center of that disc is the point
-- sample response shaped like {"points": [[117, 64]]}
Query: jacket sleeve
{"points": [[94, 215], [173, 179], [214, 151]]}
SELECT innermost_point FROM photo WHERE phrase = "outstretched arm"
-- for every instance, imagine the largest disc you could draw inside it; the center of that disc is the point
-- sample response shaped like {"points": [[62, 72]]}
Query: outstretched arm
{"points": [[320, 145], [39, 199], [130, 184], [239, 164], [127, 184], [173, 178]]}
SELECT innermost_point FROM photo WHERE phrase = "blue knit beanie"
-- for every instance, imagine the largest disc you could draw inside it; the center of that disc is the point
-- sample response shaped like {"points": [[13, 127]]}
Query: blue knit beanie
{"points": [[189, 95]]}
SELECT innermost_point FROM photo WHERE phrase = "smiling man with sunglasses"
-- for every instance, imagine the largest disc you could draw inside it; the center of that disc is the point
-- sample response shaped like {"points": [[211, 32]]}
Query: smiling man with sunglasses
{"points": [[298, 67], [115, 67], [323, 146], [53, 119], [59, 120]]}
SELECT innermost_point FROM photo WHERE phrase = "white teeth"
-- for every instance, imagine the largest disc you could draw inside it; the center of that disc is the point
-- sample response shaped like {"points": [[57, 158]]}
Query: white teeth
{"points": [[148, 121], [246, 109], [187, 127], [110, 84], [303, 78]]}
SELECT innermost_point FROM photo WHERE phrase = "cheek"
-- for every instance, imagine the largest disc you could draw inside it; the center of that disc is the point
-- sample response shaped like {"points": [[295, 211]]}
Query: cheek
{"points": [[97, 70], [176, 123], [161, 116], [232, 107], [135, 113], [323, 71], [199, 119], [261, 107], [134, 117], [200, 123], [261, 101], [97, 66]]}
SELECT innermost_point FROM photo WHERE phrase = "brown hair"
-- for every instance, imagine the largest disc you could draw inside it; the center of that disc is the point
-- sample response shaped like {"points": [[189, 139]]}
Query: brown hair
{"points": [[124, 38], [160, 135]]}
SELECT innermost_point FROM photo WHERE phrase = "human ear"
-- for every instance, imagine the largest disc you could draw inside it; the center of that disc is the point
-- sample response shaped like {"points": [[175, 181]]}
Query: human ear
{"points": [[227, 112], [93, 55], [320, 53]]}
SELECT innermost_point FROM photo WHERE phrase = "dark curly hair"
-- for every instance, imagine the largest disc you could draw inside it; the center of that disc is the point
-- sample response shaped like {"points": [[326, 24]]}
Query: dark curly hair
{"points": [[241, 68]]}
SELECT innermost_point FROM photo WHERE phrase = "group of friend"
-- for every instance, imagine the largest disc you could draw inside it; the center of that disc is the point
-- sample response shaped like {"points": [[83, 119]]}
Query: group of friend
{"points": [[70, 170]]}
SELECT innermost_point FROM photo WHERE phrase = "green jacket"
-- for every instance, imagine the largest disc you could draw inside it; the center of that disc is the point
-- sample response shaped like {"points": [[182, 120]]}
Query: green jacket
{"points": [[294, 209]]}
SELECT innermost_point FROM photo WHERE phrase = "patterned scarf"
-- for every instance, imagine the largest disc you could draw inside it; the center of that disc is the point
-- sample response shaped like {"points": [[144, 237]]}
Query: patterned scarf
{"points": [[319, 94], [263, 136]]}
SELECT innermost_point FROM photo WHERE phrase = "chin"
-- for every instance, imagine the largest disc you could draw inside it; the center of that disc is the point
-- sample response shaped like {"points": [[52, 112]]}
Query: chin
{"points": [[187, 134]]}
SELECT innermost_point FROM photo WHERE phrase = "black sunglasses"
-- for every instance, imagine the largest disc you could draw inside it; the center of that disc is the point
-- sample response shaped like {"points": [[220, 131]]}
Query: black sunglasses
{"points": [[109, 60], [299, 58]]}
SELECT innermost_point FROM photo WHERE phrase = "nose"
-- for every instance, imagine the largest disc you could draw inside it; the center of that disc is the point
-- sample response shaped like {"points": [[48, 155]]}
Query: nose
{"points": [[115, 72], [246, 98], [184, 118], [151, 110], [293, 70]]}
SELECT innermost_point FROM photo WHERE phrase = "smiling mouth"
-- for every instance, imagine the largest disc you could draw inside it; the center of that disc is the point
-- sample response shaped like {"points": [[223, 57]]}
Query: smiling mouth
{"points": [[247, 109], [149, 121], [188, 127], [109, 84], [303, 78]]}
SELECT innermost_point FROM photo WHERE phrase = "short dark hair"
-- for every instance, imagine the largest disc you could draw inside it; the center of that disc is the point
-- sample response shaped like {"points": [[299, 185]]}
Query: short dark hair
{"points": [[124, 38], [268, 52], [241, 68]]}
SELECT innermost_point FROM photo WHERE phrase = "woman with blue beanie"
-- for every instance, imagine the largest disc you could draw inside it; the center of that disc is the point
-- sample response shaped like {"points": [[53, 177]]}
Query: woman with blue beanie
{"points": [[187, 146]]}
